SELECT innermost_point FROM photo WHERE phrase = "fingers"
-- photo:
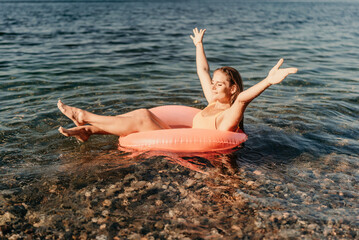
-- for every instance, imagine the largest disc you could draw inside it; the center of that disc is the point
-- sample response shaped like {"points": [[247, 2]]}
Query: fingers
{"points": [[197, 35], [288, 70], [279, 63], [200, 32], [195, 32], [292, 70]]}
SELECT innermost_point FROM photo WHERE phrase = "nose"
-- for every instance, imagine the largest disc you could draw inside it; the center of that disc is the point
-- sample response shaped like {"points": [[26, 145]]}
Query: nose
{"points": [[213, 86]]}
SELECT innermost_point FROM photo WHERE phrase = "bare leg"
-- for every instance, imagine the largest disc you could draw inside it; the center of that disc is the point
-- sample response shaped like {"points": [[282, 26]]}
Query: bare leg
{"points": [[122, 125], [82, 133]]}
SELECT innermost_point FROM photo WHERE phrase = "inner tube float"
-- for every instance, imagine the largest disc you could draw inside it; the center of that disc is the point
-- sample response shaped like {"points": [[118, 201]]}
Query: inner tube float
{"points": [[181, 137]]}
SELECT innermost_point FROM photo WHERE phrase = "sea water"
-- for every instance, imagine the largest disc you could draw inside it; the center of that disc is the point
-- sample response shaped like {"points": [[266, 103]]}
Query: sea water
{"points": [[296, 176]]}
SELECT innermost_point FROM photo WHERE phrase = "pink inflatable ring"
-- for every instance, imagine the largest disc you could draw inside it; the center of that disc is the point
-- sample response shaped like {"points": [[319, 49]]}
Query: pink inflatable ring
{"points": [[181, 137]]}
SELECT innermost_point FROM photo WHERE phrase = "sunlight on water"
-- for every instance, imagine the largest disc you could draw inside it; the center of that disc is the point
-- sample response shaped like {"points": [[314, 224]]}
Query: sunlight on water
{"points": [[296, 176]]}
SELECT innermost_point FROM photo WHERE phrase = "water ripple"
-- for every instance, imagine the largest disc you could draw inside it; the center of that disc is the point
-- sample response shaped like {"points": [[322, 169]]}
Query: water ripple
{"points": [[112, 58]]}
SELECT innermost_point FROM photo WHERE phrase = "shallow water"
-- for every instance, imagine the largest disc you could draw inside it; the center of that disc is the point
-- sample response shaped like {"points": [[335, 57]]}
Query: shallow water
{"points": [[297, 175]]}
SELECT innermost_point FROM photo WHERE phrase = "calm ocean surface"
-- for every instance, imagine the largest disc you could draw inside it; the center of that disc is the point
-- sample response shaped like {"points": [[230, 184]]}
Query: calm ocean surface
{"points": [[301, 157]]}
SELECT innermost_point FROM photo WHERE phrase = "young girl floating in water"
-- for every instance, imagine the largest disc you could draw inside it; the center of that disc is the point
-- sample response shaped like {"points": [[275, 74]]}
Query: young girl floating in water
{"points": [[224, 93]]}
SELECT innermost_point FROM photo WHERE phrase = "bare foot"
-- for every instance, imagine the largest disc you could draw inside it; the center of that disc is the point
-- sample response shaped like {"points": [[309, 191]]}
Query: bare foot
{"points": [[75, 114], [78, 132]]}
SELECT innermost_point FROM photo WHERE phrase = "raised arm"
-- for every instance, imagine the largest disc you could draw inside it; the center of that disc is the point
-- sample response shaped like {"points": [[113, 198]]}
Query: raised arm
{"points": [[202, 64], [275, 76], [232, 116]]}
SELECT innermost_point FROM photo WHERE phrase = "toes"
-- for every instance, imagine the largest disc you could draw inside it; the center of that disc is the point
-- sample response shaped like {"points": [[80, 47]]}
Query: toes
{"points": [[63, 131], [60, 105]]}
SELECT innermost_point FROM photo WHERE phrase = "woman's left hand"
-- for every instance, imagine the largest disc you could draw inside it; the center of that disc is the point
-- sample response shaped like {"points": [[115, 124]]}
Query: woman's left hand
{"points": [[277, 75]]}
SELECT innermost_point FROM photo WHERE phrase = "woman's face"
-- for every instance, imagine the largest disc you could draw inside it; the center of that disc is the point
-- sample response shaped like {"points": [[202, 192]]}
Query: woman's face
{"points": [[221, 88]]}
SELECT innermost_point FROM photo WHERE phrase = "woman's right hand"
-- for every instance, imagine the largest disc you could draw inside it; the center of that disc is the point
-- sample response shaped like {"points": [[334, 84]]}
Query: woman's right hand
{"points": [[198, 36]]}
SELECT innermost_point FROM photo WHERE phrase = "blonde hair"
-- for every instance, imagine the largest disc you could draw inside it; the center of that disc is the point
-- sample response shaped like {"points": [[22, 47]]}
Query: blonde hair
{"points": [[234, 78]]}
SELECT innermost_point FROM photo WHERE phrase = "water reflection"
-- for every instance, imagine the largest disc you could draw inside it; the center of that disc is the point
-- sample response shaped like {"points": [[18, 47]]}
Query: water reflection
{"points": [[162, 194], [296, 176]]}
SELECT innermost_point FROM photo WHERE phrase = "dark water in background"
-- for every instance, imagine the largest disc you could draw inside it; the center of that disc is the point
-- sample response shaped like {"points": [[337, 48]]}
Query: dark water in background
{"points": [[111, 58]]}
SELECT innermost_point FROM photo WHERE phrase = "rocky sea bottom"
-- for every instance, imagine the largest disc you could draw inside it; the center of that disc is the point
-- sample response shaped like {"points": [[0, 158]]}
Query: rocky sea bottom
{"points": [[296, 178], [154, 197]]}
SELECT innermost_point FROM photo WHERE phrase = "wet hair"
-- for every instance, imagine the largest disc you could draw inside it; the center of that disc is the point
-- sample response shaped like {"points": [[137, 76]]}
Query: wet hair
{"points": [[234, 78]]}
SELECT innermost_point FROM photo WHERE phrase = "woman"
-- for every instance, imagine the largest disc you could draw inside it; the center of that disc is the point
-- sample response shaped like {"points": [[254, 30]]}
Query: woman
{"points": [[224, 93]]}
